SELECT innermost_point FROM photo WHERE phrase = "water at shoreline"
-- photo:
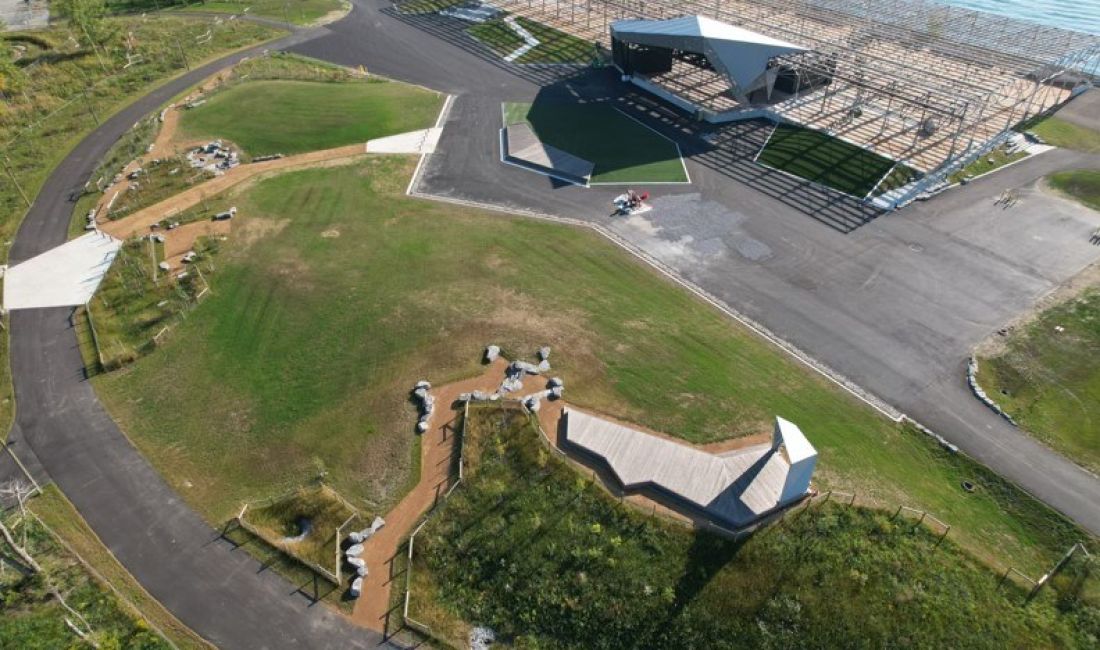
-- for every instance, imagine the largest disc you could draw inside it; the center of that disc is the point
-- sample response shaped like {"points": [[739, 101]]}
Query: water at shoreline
{"points": [[1078, 15]]}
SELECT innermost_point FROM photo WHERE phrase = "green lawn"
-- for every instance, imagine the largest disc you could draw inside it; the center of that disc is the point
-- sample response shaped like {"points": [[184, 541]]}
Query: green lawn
{"points": [[529, 548], [337, 292], [300, 12], [1068, 135], [987, 163], [823, 159], [554, 46], [1049, 381], [51, 113], [292, 117], [1080, 184], [31, 616], [622, 150]]}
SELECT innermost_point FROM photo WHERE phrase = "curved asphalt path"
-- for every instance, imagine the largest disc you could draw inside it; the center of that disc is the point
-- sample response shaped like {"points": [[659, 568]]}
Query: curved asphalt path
{"points": [[217, 590]]}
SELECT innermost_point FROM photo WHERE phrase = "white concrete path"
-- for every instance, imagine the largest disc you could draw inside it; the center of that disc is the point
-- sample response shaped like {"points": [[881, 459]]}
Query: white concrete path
{"points": [[418, 142], [61, 277]]}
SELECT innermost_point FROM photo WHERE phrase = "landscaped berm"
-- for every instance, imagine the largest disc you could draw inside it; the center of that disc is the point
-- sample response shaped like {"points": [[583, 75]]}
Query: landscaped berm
{"points": [[334, 293]]}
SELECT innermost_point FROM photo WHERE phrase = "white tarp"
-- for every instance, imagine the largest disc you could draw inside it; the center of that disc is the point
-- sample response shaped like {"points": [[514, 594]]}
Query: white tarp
{"points": [[65, 276], [740, 54]]}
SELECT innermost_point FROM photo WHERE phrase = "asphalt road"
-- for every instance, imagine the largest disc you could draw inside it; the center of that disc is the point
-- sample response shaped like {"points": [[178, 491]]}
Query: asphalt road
{"points": [[893, 303], [216, 589]]}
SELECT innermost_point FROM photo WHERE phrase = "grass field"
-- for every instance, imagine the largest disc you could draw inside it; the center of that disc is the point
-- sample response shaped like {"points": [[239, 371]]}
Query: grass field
{"points": [[300, 12], [321, 319], [622, 150], [59, 514], [1049, 381], [547, 559], [31, 617], [290, 117], [987, 163], [826, 160], [50, 113], [1080, 184], [1068, 135], [554, 46]]}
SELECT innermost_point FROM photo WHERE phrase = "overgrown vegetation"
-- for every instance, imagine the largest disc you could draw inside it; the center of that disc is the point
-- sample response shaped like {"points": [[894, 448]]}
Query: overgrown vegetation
{"points": [[622, 150], [1047, 377], [1080, 184], [1062, 133], [323, 313], [555, 46], [136, 301], [56, 511], [535, 551], [303, 524], [829, 161], [48, 605], [290, 117], [69, 77]]}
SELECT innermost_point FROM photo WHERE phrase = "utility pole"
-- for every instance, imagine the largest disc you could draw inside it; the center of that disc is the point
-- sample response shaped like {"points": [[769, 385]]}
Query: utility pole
{"points": [[88, 105], [11, 175], [183, 55]]}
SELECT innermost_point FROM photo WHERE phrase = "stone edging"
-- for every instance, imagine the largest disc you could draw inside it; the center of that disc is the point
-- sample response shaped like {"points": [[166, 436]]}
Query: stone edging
{"points": [[976, 388]]}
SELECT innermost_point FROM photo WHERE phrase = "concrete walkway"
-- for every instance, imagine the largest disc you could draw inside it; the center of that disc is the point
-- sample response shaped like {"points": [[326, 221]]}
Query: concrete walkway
{"points": [[64, 276]]}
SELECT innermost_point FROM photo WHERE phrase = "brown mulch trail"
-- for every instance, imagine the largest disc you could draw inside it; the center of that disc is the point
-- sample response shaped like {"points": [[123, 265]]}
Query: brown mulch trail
{"points": [[137, 224], [178, 241]]}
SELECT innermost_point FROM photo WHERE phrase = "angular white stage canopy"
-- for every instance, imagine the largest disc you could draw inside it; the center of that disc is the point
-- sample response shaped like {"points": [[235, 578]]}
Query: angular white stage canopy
{"points": [[61, 277], [738, 53]]}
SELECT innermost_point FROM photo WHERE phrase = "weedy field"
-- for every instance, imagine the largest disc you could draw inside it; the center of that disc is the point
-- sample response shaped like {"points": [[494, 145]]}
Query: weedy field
{"points": [[539, 554], [337, 292]]}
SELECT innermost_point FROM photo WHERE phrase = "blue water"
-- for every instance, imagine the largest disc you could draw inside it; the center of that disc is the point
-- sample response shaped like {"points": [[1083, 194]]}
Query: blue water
{"points": [[1078, 15]]}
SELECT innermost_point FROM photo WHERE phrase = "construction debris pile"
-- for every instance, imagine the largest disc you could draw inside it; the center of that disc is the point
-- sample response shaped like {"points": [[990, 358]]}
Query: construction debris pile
{"points": [[213, 157]]}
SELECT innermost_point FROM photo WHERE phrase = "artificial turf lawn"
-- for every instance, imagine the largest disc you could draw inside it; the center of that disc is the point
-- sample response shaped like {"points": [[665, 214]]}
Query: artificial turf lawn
{"points": [[823, 159], [289, 117], [1080, 184], [336, 293], [1049, 381], [554, 46], [622, 150], [545, 558]]}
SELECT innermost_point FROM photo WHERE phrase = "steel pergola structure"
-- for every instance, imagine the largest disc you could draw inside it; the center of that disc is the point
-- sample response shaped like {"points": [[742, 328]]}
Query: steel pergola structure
{"points": [[928, 84]]}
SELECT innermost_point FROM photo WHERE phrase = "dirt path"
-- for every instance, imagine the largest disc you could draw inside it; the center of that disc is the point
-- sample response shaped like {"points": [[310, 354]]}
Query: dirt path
{"points": [[179, 241], [438, 455], [138, 223]]}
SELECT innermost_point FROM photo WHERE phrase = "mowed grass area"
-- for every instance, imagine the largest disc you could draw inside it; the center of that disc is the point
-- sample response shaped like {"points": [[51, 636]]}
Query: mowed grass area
{"points": [[622, 150], [547, 559], [554, 46], [1062, 133], [337, 292], [826, 160], [1080, 184], [300, 12], [1049, 381], [289, 117]]}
